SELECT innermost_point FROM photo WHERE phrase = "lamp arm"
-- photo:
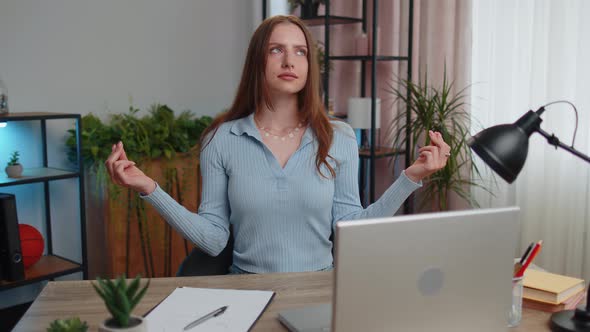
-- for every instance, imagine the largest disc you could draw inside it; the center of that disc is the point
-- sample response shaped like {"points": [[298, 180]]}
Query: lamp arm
{"points": [[553, 140]]}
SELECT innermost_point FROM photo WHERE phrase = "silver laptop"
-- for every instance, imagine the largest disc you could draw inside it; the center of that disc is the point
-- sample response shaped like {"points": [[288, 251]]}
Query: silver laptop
{"points": [[447, 271]]}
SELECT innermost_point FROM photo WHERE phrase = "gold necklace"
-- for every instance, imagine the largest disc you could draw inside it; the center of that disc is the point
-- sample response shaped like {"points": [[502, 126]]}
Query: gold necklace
{"points": [[290, 134]]}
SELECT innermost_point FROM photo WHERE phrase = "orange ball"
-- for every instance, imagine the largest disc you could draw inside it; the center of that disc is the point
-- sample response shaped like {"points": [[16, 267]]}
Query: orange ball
{"points": [[31, 243]]}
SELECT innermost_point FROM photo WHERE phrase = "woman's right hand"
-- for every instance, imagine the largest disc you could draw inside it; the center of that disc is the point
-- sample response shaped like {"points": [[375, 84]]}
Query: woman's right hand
{"points": [[124, 172]]}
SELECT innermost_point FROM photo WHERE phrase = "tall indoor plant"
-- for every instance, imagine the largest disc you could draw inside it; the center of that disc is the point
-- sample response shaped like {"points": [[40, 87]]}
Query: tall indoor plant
{"points": [[439, 109]]}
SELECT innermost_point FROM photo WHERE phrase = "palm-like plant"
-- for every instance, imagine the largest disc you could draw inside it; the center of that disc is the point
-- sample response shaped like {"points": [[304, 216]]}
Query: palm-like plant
{"points": [[120, 298], [438, 109]]}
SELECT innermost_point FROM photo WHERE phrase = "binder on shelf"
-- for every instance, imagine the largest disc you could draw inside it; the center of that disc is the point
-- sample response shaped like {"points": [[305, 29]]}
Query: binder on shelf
{"points": [[11, 258]]}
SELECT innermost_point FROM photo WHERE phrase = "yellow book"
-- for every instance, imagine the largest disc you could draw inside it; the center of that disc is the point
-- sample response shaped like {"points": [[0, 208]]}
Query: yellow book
{"points": [[550, 287], [568, 304]]}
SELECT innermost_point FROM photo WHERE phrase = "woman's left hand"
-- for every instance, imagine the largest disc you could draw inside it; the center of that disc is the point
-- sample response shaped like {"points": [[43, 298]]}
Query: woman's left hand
{"points": [[431, 159]]}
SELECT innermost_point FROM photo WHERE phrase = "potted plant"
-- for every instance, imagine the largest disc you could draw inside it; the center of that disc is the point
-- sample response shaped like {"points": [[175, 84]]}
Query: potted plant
{"points": [[309, 8], [73, 324], [438, 109], [14, 169], [120, 299]]}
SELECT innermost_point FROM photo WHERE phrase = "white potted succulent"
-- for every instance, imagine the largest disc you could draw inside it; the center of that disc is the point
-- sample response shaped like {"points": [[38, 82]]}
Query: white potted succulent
{"points": [[14, 169], [120, 299]]}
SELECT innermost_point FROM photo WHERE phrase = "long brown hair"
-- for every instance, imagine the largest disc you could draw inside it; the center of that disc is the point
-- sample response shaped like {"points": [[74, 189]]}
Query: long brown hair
{"points": [[253, 90]]}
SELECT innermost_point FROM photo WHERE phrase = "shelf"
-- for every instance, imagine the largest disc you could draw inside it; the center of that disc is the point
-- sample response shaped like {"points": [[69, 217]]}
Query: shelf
{"points": [[367, 87], [46, 268], [26, 116], [32, 175], [320, 20], [380, 152], [49, 266], [368, 57]]}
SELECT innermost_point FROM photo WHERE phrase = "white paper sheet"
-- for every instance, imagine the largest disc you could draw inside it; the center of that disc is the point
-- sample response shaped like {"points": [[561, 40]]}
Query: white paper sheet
{"points": [[186, 304]]}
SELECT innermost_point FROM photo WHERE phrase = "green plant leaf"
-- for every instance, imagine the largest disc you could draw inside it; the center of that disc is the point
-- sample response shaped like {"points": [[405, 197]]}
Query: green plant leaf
{"points": [[133, 287], [73, 324], [158, 134], [122, 301], [99, 292], [105, 286]]}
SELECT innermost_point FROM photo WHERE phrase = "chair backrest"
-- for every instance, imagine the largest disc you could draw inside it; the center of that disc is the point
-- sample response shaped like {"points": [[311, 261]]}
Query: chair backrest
{"points": [[199, 263]]}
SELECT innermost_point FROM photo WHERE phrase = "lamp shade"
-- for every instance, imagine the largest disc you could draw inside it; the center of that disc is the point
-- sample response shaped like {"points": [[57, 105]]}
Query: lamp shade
{"points": [[359, 113], [504, 147]]}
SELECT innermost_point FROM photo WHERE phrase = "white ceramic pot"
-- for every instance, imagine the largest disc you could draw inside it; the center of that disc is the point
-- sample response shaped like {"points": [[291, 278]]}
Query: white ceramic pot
{"points": [[107, 326], [14, 171]]}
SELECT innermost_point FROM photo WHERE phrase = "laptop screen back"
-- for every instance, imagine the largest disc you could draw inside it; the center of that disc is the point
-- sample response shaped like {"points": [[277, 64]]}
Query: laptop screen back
{"points": [[448, 271]]}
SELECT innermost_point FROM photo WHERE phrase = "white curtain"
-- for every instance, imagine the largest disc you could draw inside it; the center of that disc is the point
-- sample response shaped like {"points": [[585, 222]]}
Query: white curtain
{"points": [[526, 54]]}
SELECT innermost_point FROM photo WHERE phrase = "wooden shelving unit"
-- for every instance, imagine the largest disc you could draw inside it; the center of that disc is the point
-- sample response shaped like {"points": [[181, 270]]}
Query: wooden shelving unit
{"points": [[32, 175], [50, 265]]}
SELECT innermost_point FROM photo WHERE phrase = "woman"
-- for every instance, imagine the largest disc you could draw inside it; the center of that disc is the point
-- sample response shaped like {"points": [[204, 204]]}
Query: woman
{"points": [[275, 167]]}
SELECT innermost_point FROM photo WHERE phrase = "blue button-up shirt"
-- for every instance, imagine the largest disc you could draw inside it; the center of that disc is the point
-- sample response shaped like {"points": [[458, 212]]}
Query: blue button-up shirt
{"points": [[282, 218]]}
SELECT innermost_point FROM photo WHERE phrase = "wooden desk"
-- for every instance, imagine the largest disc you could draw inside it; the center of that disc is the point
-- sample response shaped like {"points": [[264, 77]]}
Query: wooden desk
{"points": [[65, 299]]}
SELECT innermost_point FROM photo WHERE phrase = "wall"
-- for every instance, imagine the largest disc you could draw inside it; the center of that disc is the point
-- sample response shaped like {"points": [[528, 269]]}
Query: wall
{"points": [[94, 56], [91, 56]]}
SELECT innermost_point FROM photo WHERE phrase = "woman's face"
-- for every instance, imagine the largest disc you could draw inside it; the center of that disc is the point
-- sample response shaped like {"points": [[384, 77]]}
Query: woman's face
{"points": [[286, 63]]}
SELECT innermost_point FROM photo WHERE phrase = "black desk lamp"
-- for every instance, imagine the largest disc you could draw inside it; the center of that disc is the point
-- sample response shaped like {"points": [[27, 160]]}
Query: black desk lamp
{"points": [[504, 148]]}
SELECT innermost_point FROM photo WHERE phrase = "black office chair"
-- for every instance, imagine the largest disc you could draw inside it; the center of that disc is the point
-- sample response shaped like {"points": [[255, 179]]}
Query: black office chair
{"points": [[200, 263]]}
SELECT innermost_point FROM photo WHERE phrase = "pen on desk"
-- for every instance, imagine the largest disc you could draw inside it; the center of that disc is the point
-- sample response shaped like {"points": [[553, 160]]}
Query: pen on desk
{"points": [[534, 252], [212, 314]]}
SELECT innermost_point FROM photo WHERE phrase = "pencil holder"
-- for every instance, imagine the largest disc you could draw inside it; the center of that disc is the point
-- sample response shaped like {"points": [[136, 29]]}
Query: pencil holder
{"points": [[515, 314]]}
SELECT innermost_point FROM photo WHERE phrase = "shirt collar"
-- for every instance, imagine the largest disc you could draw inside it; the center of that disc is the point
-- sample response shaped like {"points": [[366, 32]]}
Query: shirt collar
{"points": [[308, 136], [247, 126]]}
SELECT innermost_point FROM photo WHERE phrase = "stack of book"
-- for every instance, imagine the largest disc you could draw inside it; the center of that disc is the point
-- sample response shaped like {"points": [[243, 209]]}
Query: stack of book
{"points": [[551, 292]]}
